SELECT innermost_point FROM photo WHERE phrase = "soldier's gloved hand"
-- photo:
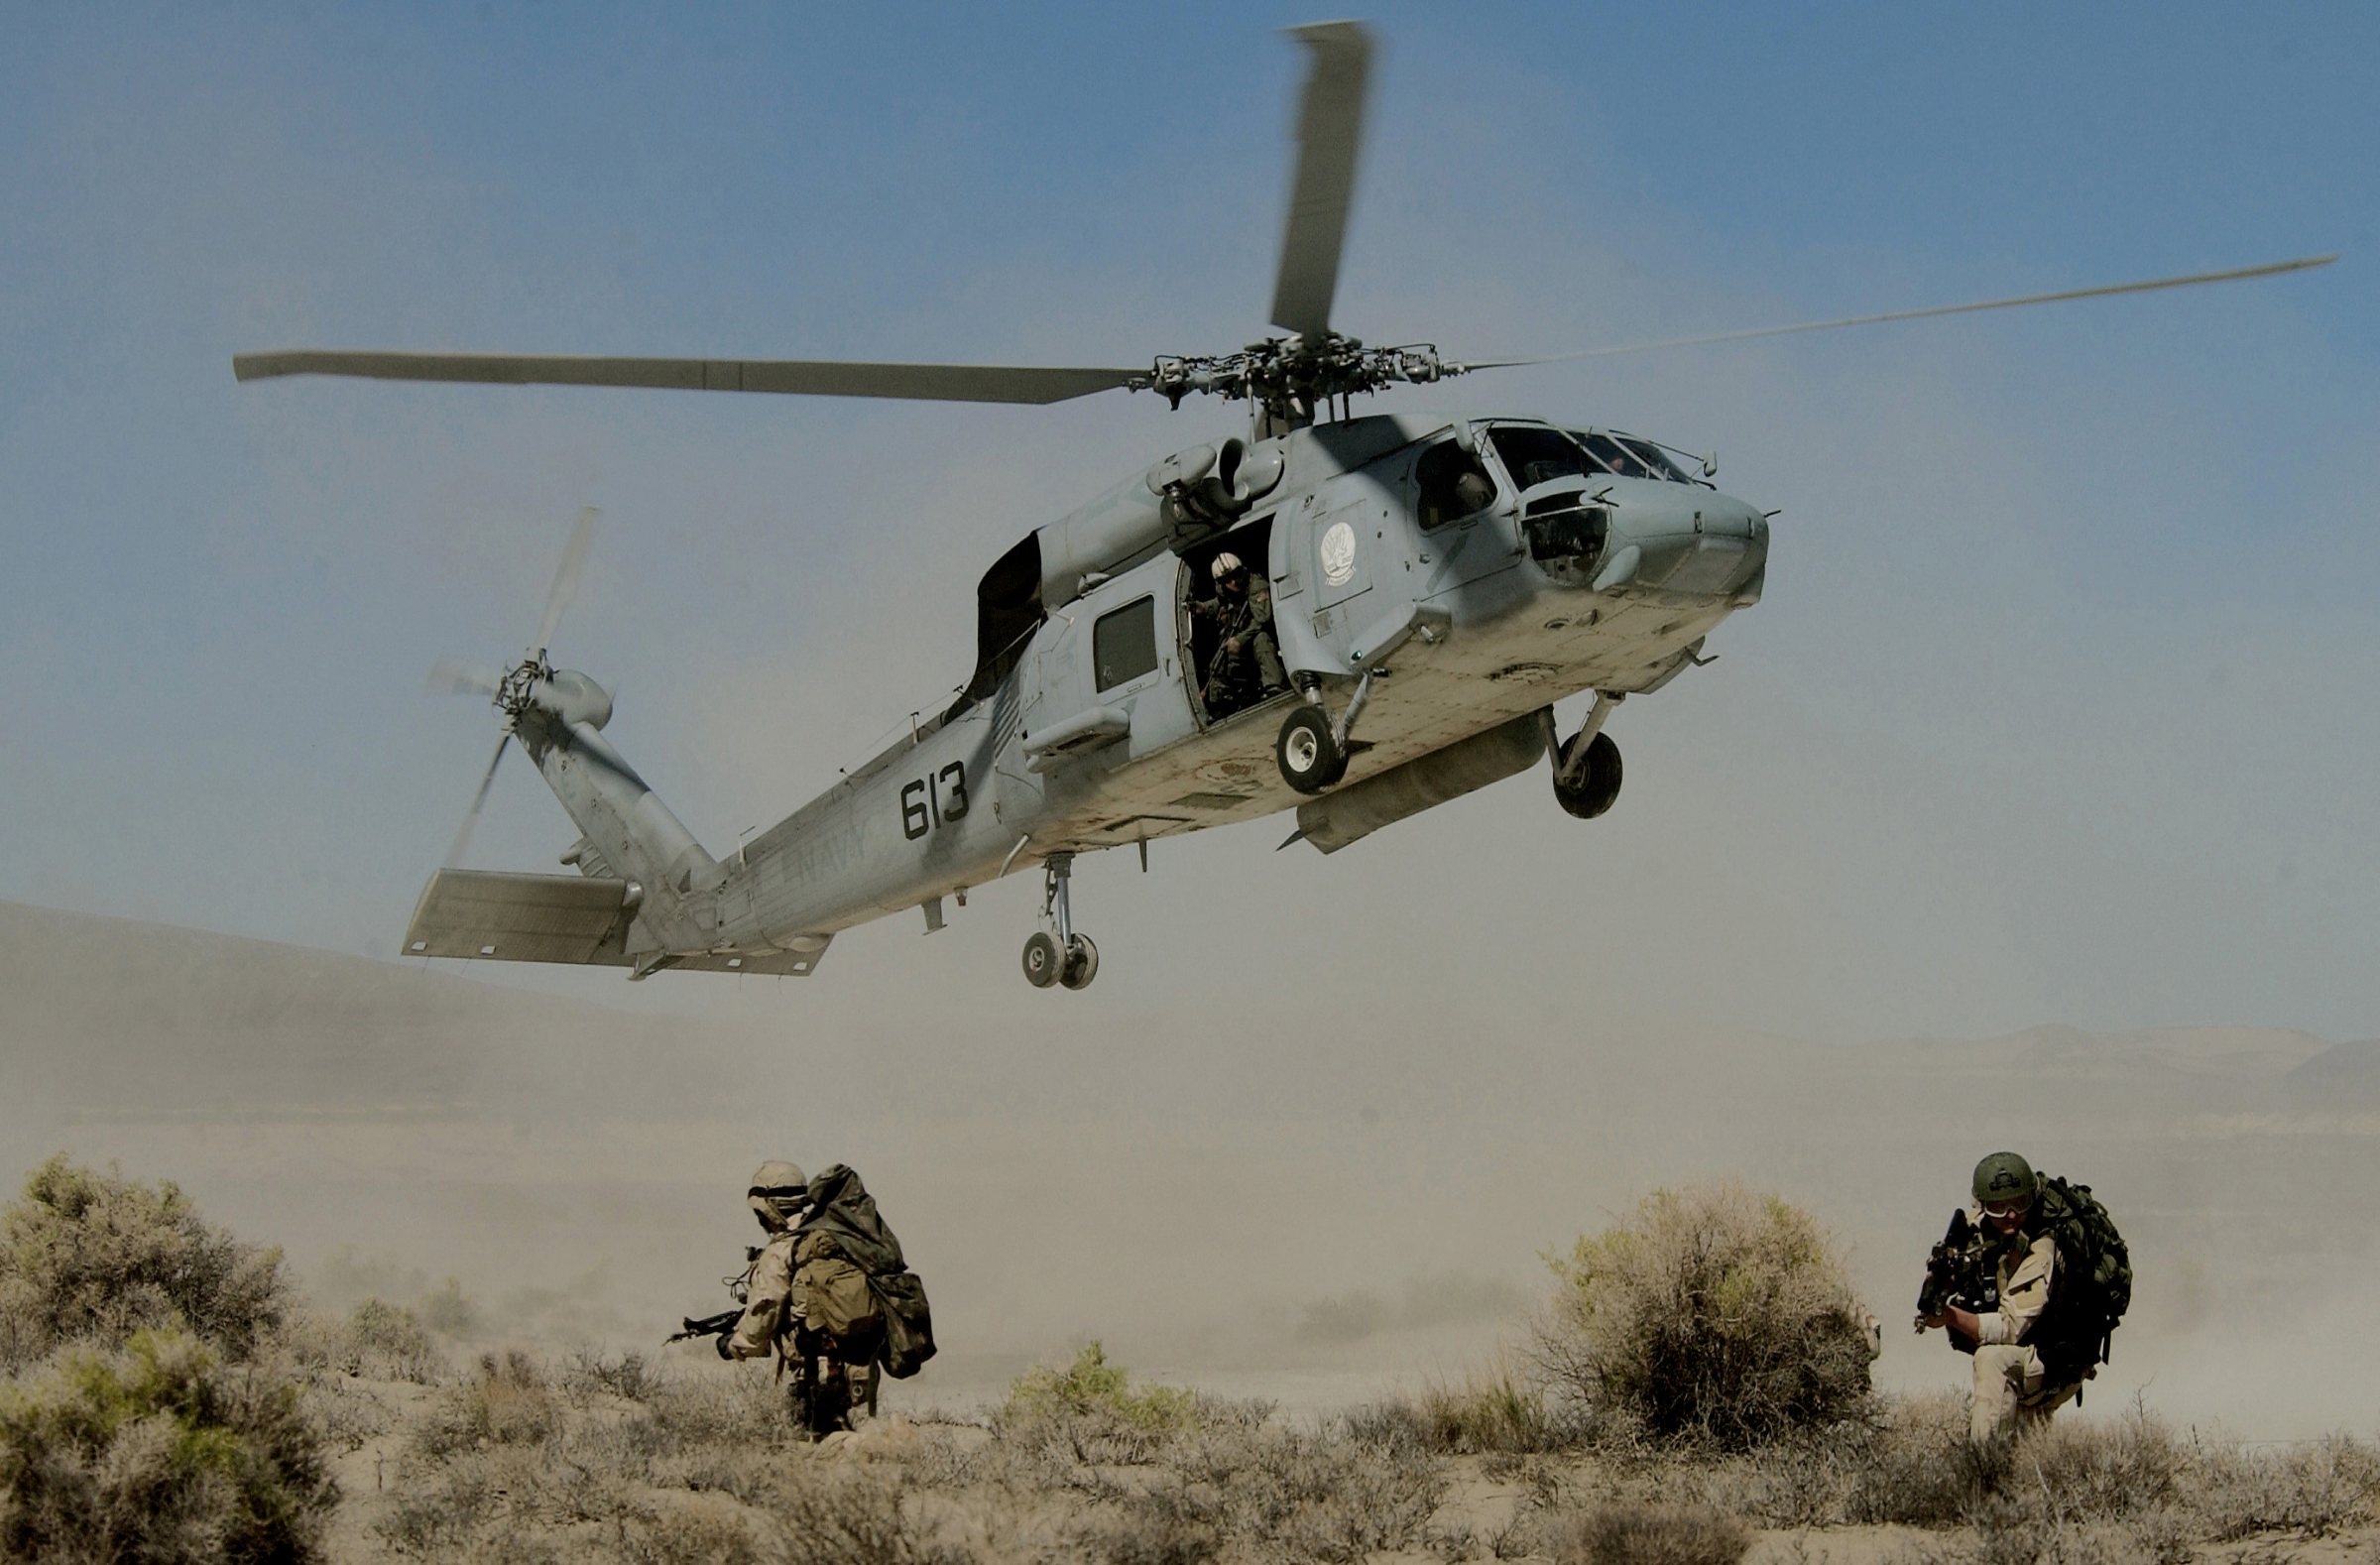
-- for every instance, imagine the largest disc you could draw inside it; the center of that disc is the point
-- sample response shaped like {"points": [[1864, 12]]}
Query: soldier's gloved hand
{"points": [[724, 1351]]}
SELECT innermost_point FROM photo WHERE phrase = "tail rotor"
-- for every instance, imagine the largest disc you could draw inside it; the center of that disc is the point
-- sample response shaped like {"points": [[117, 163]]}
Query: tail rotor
{"points": [[512, 691]]}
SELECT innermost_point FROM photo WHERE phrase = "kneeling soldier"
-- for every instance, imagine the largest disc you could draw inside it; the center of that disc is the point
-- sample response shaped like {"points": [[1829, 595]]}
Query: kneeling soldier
{"points": [[2014, 1389]]}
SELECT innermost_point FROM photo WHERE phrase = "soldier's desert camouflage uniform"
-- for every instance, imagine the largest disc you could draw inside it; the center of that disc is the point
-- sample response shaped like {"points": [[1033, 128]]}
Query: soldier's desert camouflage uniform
{"points": [[2012, 1390], [774, 1302]]}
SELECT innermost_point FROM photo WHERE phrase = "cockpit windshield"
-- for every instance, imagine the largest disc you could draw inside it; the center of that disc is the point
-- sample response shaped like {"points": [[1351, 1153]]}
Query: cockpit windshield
{"points": [[1535, 456], [1631, 457]]}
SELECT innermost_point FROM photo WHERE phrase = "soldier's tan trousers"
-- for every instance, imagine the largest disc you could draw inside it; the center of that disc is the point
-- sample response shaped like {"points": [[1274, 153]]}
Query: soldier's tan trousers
{"points": [[2010, 1399]]}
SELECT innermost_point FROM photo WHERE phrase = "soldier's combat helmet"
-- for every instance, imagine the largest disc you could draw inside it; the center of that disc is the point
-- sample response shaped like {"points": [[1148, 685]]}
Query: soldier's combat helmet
{"points": [[2003, 1177], [778, 1190]]}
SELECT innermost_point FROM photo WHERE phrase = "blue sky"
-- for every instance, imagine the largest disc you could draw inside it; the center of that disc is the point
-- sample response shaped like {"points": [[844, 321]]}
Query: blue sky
{"points": [[2059, 708]]}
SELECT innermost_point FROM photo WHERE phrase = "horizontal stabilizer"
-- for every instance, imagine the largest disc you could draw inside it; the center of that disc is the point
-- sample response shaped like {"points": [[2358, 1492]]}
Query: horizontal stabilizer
{"points": [[576, 919]]}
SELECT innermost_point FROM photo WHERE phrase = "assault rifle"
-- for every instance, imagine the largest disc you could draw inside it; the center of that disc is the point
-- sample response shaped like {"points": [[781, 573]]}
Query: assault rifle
{"points": [[723, 1322], [718, 1325], [1957, 1273]]}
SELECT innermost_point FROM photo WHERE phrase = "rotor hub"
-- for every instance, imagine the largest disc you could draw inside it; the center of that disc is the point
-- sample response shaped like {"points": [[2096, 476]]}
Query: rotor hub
{"points": [[516, 692], [1292, 378]]}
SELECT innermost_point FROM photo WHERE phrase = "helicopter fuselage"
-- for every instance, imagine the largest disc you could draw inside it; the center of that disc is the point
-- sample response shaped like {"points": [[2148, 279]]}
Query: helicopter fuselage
{"points": [[1472, 585]]}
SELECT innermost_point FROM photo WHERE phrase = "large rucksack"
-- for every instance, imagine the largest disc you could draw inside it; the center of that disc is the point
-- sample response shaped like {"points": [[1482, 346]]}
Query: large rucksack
{"points": [[2093, 1284], [840, 1205]]}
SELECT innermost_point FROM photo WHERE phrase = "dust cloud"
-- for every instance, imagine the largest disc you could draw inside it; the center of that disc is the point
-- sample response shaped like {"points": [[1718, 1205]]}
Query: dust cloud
{"points": [[1301, 1219]]}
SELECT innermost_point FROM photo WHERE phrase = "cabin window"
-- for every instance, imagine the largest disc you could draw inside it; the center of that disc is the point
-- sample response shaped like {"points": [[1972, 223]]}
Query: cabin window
{"points": [[1124, 644], [1451, 484]]}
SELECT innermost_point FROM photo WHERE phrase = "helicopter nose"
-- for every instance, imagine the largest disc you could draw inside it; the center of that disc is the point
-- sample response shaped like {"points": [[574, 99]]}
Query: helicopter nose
{"points": [[1702, 546]]}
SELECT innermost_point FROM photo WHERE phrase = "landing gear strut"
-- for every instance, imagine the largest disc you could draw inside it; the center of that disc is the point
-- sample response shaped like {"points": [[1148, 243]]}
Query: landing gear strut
{"points": [[1312, 747], [1586, 767], [1055, 954]]}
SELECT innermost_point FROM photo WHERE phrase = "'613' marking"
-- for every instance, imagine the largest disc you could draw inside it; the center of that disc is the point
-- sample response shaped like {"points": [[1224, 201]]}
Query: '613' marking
{"points": [[934, 800]]}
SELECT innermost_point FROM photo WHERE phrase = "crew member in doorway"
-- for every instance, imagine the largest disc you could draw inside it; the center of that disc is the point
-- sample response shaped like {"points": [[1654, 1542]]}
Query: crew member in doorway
{"points": [[1247, 666]]}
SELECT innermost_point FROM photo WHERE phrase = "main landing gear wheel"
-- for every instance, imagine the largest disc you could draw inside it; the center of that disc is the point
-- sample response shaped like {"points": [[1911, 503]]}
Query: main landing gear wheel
{"points": [[1309, 755], [1598, 774], [1055, 954]]}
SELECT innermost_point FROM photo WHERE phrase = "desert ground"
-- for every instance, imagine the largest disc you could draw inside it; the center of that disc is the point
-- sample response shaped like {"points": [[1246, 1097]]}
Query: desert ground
{"points": [[1279, 1230]]}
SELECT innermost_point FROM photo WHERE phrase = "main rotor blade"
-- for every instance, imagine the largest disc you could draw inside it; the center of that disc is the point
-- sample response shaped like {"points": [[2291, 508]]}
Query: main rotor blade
{"points": [[794, 377], [566, 578], [2269, 269], [1330, 132], [463, 838], [448, 678]]}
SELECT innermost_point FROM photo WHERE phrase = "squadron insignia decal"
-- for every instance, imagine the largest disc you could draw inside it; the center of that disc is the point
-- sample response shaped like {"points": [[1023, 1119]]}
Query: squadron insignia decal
{"points": [[1337, 551]]}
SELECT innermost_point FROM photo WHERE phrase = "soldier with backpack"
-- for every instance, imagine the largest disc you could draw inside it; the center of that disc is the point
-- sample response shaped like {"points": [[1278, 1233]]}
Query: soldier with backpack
{"points": [[2057, 1278], [829, 1295]]}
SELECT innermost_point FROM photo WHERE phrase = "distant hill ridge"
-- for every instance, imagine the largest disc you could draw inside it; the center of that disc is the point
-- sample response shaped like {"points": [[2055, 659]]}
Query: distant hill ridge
{"points": [[116, 1016]]}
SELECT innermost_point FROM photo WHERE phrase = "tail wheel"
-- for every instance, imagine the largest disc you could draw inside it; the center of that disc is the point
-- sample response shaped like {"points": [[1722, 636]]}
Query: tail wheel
{"points": [[1082, 963], [1043, 964], [1598, 782], [1309, 756]]}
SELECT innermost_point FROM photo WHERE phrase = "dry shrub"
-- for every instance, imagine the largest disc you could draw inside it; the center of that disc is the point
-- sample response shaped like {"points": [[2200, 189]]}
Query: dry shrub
{"points": [[2101, 1472], [1092, 1386], [1282, 1493], [835, 1517], [445, 1310], [589, 1374], [1914, 1465], [1715, 1315], [504, 1402], [91, 1255], [2312, 1489], [160, 1452], [722, 1407], [376, 1340], [1090, 1414], [1647, 1535], [349, 1415], [1492, 1413]]}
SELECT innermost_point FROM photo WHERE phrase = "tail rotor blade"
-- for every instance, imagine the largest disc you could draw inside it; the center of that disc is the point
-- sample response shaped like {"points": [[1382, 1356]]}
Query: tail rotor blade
{"points": [[1330, 132], [566, 578], [448, 678], [463, 838]]}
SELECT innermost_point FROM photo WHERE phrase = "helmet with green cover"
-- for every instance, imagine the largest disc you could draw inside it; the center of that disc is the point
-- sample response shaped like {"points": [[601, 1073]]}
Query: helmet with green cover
{"points": [[2003, 1178]]}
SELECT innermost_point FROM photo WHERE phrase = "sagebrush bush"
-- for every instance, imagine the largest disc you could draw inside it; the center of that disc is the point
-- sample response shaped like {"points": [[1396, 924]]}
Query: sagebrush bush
{"points": [[1712, 1314], [1647, 1535], [1090, 1412], [1266, 1493], [84, 1254], [1492, 1413], [376, 1340], [1091, 1385], [159, 1452], [505, 1401], [589, 1373], [2311, 1488]]}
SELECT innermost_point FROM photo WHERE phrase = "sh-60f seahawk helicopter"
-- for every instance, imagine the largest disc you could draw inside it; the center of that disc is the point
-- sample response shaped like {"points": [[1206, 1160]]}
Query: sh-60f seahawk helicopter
{"points": [[1437, 583]]}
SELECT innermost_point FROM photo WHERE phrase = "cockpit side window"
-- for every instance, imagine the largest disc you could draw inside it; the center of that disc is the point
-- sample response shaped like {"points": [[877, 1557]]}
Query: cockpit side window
{"points": [[1451, 484], [1535, 456]]}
